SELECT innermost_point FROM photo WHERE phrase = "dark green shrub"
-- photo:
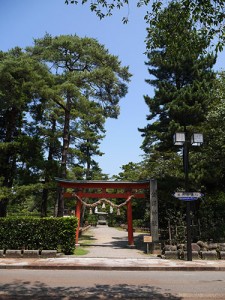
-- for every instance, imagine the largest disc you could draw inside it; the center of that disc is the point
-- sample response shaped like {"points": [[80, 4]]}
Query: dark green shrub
{"points": [[138, 223], [92, 220], [212, 217], [38, 233]]}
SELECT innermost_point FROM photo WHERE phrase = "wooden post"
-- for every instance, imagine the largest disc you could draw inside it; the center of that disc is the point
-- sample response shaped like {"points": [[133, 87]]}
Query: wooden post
{"points": [[130, 224], [78, 215]]}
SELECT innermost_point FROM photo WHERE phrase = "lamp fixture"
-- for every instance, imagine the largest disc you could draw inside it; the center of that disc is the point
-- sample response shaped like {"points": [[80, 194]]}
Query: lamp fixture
{"points": [[197, 139], [179, 138]]}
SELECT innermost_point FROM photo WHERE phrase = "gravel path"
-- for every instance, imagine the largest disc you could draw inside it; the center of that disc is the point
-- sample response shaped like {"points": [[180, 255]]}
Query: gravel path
{"points": [[104, 241]]}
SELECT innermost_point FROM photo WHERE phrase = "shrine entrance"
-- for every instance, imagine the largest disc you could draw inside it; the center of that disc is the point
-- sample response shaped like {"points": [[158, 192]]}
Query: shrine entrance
{"points": [[105, 190]]}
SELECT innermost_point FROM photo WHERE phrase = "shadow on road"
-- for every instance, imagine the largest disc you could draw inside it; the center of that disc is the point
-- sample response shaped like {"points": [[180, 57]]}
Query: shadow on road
{"points": [[19, 290]]}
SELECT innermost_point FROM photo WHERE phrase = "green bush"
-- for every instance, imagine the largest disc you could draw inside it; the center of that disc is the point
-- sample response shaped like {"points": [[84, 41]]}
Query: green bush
{"points": [[138, 223], [92, 220], [212, 217], [38, 233]]}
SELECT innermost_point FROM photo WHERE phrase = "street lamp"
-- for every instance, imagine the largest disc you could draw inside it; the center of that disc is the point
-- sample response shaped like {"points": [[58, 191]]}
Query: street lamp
{"points": [[180, 139]]}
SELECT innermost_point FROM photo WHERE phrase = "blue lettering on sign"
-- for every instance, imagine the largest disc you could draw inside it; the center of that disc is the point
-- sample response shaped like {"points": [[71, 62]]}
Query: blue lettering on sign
{"points": [[188, 198]]}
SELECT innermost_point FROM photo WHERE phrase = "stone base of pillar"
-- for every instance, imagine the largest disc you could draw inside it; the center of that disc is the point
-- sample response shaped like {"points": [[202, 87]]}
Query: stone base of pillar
{"points": [[131, 246], [155, 248]]}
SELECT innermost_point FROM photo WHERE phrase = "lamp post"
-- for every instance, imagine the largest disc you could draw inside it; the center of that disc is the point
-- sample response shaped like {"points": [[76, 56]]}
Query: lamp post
{"points": [[180, 139]]}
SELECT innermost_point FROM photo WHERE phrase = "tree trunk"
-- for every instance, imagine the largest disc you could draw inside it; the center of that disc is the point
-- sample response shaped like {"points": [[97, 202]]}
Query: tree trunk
{"points": [[170, 235], [3, 208], [45, 191], [44, 202], [66, 143], [88, 177], [8, 157]]}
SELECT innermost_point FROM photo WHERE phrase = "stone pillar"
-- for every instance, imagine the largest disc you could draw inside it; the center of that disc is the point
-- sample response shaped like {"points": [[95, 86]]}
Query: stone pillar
{"points": [[154, 223]]}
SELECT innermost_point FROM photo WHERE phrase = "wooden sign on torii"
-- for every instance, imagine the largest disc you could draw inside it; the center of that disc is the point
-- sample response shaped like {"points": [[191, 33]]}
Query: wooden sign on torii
{"points": [[128, 190]]}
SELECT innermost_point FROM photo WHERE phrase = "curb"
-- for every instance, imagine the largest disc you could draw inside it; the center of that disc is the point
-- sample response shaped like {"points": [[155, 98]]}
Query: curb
{"points": [[106, 266], [99, 268], [111, 264]]}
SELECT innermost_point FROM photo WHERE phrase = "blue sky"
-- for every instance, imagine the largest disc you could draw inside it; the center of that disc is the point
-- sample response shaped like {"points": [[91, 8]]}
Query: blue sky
{"points": [[23, 20]]}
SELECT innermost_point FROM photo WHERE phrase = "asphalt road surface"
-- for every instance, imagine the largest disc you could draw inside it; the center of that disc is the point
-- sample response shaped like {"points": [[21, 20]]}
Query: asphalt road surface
{"points": [[68, 284]]}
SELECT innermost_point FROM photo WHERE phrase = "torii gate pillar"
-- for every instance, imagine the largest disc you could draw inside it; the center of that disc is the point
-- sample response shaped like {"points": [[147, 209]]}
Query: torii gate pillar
{"points": [[130, 224], [78, 214]]}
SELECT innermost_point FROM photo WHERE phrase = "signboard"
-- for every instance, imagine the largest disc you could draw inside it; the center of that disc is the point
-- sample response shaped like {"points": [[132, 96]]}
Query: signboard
{"points": [[188, 196], [147, 239]]}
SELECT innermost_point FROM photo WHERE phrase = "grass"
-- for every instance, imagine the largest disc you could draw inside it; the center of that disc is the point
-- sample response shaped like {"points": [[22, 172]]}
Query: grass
{"points": [[86, 239], [80, 251]]}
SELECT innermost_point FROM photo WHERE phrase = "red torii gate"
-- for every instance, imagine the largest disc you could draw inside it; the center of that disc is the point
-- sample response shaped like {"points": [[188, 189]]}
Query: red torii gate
{"points": [[133, 189]]}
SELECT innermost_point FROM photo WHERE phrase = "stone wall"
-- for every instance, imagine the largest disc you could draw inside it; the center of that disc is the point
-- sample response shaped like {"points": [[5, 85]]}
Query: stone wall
{"points": [[200, 250], [28, 253]]}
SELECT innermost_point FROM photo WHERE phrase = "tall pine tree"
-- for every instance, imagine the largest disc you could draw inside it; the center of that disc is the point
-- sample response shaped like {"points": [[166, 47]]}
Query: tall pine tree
{"points": [[180, 66], [181, 71], [84, 70], [21, 78]]}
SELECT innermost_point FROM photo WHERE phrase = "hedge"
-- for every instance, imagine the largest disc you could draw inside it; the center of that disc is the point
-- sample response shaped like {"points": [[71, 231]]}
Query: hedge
{"points": [[38, 233]]}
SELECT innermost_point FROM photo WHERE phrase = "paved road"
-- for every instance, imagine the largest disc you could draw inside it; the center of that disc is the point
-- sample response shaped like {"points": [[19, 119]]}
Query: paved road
{"points": [[80, 284], [104, 241]]}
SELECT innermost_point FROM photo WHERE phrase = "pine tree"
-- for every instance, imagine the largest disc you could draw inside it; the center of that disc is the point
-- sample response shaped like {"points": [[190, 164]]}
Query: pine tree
{"points": [[21, 151], [91, 131], [180, 66], [181, 72], [84, 70]]}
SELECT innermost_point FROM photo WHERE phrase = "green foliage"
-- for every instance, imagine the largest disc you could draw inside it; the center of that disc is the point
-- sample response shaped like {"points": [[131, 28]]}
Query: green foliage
{"points": [[142, 223], [115, 220], [55, 98], [176, 226], [88, 83], [213, 161], [36, 233], [104, 9], [20, 80], [212, 217], [92, 219], [130, 172], [182, 75], [137, 223]]}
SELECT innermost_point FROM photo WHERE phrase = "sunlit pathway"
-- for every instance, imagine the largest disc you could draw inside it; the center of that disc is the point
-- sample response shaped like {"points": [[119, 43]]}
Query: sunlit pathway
{"points": [[104, 241]]}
